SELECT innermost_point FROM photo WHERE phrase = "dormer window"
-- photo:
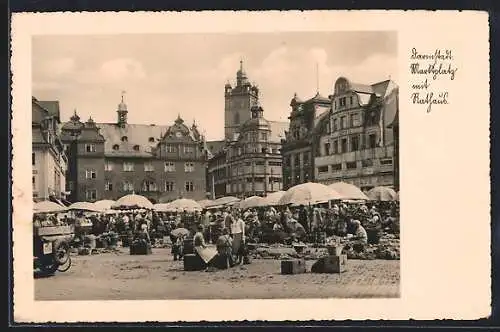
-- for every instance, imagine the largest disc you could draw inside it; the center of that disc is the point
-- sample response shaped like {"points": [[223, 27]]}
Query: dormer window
{"points": [[136, 147], [124, 139], [151, 140], [116, 147]]}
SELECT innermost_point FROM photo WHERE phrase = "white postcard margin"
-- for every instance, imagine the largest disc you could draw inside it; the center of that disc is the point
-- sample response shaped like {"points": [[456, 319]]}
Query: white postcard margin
{"points": [[444, 161]]}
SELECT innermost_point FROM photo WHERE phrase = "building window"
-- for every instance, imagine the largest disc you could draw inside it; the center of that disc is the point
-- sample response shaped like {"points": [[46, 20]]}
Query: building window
{"points": [[351, 165], [116, 147], [33, 182], [259, 180], [170, 148], [263, 136], [169, 166], [275, 163], [386, 161], [189, 186], [33, 159], [367, 163], [335, 147], [297, 160], [124, 139], [350, 100], [108, 166], [354, 120], [236, 118], [136, 147], [128, 166], [260, 163], [90, 174], [90, 147], [343, 145], [108, 186], [149, 186], [336, 167], [189, 167], [128, 186], [148, 167], [335, 124], [248, 163], [323, 169], [327, 149], [372, 139], [169, 186], [188, 149], [354, 143], [91, 195], [151, 140], [343, 122], [342, 101]]}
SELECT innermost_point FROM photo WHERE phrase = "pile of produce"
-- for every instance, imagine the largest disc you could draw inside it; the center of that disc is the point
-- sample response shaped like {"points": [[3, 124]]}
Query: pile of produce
{"points": [[387, 248]]}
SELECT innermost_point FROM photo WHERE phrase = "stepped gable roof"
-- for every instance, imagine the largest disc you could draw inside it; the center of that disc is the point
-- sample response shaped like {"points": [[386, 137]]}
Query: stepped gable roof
{"points": [[52, 106], [143, 135]]}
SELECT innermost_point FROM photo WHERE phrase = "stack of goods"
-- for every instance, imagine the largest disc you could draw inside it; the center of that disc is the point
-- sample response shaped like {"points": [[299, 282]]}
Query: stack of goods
{"points": [[388, 247]]}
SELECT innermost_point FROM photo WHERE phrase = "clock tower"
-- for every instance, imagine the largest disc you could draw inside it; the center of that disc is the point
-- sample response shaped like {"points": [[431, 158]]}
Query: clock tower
{"points": [[239, 101]]}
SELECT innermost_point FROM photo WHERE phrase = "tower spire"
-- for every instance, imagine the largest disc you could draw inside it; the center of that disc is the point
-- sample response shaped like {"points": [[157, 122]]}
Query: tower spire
{"points": [[241, 64], [123, 94]]}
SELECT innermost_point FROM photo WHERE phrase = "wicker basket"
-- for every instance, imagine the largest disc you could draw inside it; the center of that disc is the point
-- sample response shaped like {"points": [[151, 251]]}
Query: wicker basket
{"points": [[335, 250]]}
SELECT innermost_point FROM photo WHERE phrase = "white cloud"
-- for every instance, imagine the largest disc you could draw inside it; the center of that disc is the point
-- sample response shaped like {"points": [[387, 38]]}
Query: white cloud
{"points": [[120, 69]]}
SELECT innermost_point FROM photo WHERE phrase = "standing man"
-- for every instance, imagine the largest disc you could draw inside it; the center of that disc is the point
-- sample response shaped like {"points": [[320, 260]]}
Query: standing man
{"points": [[238, 234]]}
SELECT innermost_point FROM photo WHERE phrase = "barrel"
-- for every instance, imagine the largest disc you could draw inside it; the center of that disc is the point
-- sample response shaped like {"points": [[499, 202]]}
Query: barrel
{"points": [[373, 235]]}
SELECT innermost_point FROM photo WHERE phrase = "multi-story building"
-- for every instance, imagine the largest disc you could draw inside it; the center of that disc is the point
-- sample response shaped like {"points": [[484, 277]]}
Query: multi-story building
{"points": [[48, 158], [248, 162], [110, 160], [298, 154], [359, 147]]}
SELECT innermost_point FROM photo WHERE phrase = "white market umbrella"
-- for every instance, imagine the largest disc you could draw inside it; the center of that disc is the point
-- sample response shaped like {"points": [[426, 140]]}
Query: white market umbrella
{"points": [[84, 206], [250, 202], [133, 201], [348, 191], [184, 204], [227, 200], [308, 193], [272, 199], [48, 207], [104, 204], [205, 202], [382, 194]]}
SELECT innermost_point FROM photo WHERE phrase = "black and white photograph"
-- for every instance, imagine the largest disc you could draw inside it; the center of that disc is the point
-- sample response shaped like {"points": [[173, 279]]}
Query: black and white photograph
{"points": [[248, 166], [215, 166]]}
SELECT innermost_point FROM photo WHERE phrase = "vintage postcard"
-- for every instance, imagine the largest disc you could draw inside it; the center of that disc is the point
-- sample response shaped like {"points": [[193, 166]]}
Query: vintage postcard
{"points": [[227, 166]]}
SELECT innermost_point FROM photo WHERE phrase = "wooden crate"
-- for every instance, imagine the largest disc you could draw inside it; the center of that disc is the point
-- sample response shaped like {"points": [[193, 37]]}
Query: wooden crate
{"points": [[293, 266], [335, 264], [193, 262]]}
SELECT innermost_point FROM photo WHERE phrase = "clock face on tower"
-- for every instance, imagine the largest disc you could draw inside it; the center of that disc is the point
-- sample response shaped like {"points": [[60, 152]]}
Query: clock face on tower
{"points": [[178, 134]]}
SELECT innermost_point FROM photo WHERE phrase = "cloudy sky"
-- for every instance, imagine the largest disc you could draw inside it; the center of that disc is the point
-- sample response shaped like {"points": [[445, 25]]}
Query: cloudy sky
{"points": [[170, 74]]}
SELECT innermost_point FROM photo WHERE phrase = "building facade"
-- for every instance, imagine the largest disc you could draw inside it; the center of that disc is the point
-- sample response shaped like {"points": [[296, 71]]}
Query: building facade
{"points": [[48, 158], [248, 162], [110, 160], [359, 147], [297, 147]]}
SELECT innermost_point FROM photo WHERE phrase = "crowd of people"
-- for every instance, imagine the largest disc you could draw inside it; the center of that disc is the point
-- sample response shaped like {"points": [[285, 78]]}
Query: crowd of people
{"points": [[230, 229]]}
